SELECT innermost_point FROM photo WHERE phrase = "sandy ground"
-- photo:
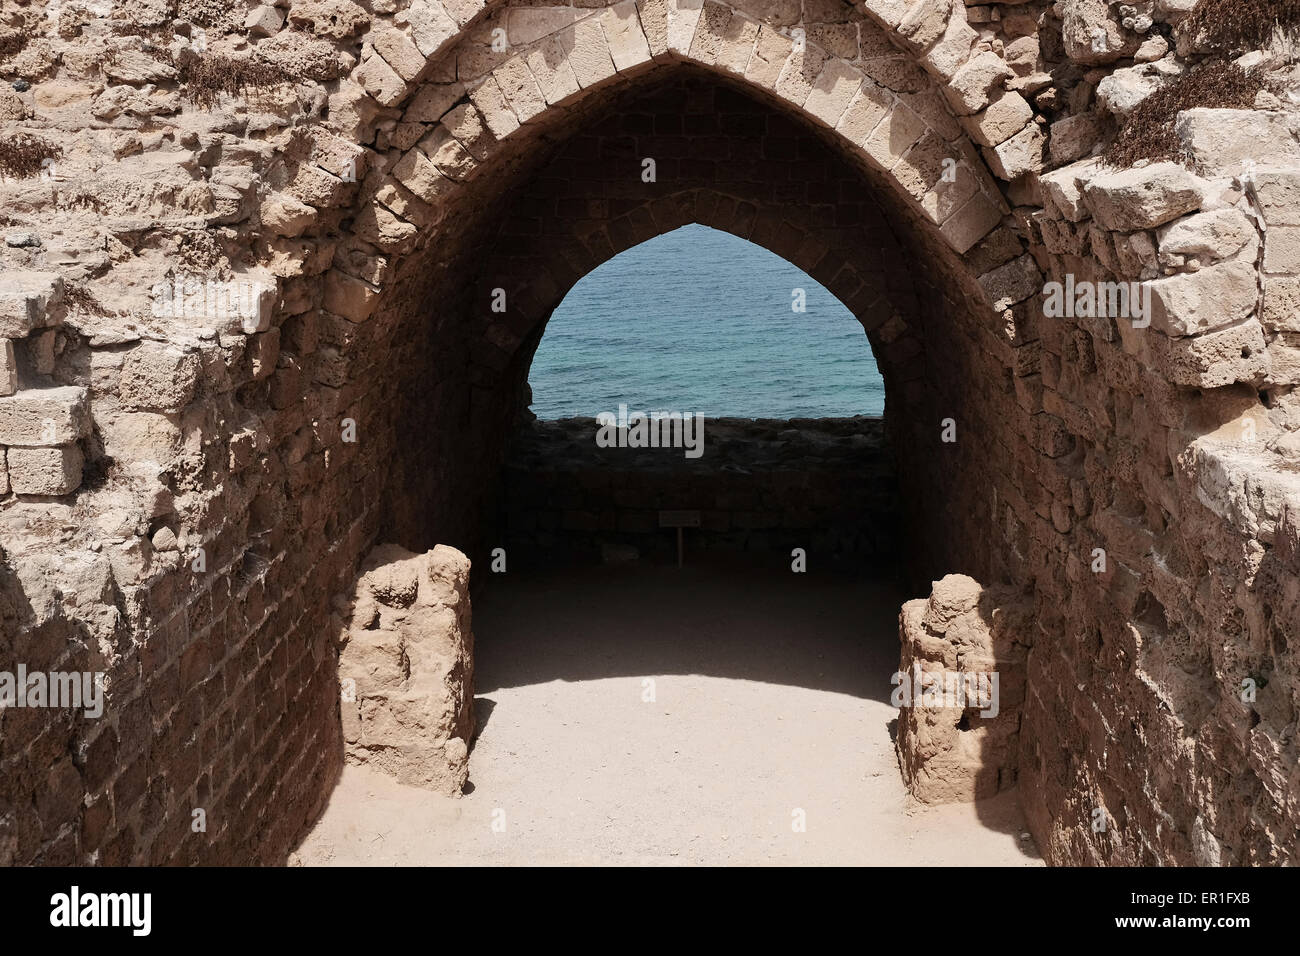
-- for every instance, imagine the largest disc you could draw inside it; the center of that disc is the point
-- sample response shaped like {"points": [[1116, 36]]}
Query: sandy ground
{"points": [[769, 708]]}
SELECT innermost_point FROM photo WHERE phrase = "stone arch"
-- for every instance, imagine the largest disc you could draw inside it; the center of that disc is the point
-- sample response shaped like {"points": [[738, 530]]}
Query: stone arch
{"points": [[892, 340], [556, 234], [468, 122], [874, 102], [866, 267]]}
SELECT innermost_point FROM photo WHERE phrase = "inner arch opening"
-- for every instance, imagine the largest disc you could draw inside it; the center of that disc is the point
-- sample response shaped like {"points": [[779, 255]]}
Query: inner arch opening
{"points": [[531, 500], [702, 320]]}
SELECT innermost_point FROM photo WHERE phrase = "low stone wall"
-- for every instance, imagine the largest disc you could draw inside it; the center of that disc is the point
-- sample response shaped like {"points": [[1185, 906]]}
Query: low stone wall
{"points": [[761, 485], [960, 688], [406, 668]]}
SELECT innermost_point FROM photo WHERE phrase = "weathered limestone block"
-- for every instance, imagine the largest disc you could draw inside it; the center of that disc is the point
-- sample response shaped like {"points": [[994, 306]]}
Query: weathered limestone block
{"points": [[1093, 33], [401, 53], [1278, 192], [302, 55], [525, 25], [1239, 482], [870, 105], [1282, 249], [380, 80], [377, 224], [285, 215], [406, 664], [469, 128], [962, 663], [708, 40], [1211, 298], [1012, 282], [738, 39], [133, 66], [421, 177], [1212, 359], [26, 299], [588, 52], [553, 72], [431, 25], [628, 46], [888, 12], [771, 50], [894, 135], [1143, 198], [44, 416], [1121, 92], [244, 303], [463, 11], [1222, 142], [158, 378], [1074, 138], [795, 80], [683, 18], [1210, 236], [127, 100], [521, 91], [1021, 154], [1063, 189], [336, 19], [350, 297], [263, 21], [1002, 119], [971, 223], [952, 51], [1281, 311], [1136, 253], [833, 91], [979, 79], [924, 22], [451, 158], [45, 471]]}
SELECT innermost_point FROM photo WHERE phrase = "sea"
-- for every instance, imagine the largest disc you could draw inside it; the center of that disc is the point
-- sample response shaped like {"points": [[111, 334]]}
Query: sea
{"points": [[699, 320]]}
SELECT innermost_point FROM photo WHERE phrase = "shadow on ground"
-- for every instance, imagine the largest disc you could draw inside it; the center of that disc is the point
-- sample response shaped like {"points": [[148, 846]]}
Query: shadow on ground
{"points": [[831, 630]]}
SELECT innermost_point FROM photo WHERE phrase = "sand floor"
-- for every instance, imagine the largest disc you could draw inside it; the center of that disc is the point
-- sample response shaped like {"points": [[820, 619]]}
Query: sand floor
{"points": [[645, 715]]}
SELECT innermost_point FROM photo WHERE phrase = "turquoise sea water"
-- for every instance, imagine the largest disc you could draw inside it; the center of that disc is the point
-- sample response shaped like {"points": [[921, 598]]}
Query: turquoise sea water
{"points": [[697, 320]]}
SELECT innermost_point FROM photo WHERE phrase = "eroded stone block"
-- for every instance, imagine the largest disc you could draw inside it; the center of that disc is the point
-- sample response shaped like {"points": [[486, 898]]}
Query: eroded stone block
{"points": [[406, 667], [45, 471], [44, 416], [960, 687]]}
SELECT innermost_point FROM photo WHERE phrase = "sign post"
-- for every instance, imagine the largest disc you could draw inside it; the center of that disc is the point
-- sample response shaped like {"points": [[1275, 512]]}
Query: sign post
{"points": [[679, 520]]}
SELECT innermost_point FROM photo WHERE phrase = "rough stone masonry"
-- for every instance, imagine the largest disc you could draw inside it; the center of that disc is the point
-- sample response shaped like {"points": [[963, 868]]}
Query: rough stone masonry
{"points": [[184, 491], [406, 667]]}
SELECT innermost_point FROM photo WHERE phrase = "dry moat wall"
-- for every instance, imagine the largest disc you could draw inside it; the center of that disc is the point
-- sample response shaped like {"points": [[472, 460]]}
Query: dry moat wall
{"points": [[762, 487]]}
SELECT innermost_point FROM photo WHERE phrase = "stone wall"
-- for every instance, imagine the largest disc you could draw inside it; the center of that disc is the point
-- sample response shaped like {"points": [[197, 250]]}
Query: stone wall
{"points": [[826, 485], [960, 689], [186, 489], [406, 667]]}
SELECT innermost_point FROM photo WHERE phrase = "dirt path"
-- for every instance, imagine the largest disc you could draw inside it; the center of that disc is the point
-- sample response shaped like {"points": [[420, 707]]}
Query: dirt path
{"points": [[770, 705]]}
